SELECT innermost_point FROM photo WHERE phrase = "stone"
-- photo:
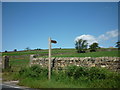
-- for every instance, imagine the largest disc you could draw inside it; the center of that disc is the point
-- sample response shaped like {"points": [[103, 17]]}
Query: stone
{"points": [[107, 62]]}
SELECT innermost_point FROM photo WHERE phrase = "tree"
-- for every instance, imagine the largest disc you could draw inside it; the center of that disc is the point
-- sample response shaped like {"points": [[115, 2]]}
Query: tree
{"points": [[81, 45], [27, 48], [5, 50], [15, 50], [93, 47], [38, 49], [118, 45]]}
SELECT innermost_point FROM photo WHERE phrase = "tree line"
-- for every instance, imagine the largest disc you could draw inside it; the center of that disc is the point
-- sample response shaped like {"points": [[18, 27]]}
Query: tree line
{"points": [[82, 45]]}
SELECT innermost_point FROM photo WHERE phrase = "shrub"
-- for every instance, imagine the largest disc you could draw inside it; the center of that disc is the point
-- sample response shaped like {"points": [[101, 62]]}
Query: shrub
{"points": [[91, 73], [80, 72], [34, 71], [96, 73], [58, 76], [76, 72], [5, 50], [24, 72], [77, 76], [94, 47], [15, 50]]}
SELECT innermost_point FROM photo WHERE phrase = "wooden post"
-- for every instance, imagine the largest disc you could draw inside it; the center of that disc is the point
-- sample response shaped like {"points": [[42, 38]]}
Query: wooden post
{"points": [[49, 64], [6, 62]]}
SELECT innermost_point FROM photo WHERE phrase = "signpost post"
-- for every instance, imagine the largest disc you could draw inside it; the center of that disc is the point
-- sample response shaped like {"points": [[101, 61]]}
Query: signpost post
{"points": [[49, 63]]}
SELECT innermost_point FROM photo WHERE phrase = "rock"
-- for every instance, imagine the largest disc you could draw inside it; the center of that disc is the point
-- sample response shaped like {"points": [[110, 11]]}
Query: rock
{"points": [[107, 62]]}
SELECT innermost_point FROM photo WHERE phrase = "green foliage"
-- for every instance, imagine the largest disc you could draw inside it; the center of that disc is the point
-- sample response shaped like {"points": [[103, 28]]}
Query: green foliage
{"points": [[58, 76], [27, 48], [118, 44], [91, 73], [76, 72], [96, 73], [15, 50], [7, 70], [81, 45], [73, 77], [34, 71], [94, 46]]}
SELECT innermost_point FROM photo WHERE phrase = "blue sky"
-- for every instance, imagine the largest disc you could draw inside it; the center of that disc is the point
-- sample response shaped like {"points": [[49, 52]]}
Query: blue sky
{"points": [[29, 24]]}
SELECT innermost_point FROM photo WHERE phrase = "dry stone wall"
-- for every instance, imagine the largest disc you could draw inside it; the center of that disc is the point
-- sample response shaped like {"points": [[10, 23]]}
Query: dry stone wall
{"points": [[112, 63]]}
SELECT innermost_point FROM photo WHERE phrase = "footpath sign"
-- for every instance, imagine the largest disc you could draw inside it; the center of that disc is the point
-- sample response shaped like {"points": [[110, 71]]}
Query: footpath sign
{"points": [[53, 41], [49, 64]]}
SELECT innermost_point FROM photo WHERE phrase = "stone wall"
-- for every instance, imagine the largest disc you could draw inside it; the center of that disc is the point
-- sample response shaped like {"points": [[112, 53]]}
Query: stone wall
{"points": [[112, 63]]}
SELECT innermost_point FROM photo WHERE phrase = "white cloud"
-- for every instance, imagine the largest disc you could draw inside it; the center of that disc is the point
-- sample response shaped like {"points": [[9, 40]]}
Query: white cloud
{"points": [[108, 35], [90, 39], [104, 37]]}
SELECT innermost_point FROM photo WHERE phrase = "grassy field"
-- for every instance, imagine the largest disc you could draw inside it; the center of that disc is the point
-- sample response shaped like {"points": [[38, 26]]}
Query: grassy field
{"points": [[91, 54], [37, 52], [66, 53]]}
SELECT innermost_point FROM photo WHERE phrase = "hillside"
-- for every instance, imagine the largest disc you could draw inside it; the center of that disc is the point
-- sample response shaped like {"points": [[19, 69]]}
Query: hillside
{"points": [[67, 53]]}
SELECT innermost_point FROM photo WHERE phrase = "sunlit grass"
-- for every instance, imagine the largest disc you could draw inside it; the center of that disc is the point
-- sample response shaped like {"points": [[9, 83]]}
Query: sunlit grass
{"points": [[91, 54], [66, 53], [88, 78]]}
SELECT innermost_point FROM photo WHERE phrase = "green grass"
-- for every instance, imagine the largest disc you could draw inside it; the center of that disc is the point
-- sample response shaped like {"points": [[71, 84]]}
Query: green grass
{"points": [[15, 65], [54, 51], [74, 77], [19, 62], [86, 78], [45, 83], [66, 53], [23, 53], [70, 84], [9, 75], [91, 54]]}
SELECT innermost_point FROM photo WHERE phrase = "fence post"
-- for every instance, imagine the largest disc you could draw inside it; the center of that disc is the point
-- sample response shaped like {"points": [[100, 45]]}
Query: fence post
{"points": [[31, 58], [5, 62]]}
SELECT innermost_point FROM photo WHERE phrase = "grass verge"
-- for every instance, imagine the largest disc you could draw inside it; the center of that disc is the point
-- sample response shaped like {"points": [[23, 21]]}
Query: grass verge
{"points": [[73, 77]]}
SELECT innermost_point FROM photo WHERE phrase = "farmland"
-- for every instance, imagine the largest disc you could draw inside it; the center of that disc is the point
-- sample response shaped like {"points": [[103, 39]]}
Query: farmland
{"points": [[66, 53]]}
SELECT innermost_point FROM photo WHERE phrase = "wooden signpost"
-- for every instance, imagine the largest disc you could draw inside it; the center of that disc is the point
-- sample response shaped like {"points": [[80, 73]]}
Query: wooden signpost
{"points": [[49, 64]]}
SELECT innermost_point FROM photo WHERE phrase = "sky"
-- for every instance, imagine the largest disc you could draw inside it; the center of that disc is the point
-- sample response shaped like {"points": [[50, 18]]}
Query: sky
{"points": [[30, 24]]}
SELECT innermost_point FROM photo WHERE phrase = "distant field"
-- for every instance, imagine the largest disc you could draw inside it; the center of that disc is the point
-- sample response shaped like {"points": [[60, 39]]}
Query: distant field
{"points": [[91, 54], [66, 53], [38, 52]]}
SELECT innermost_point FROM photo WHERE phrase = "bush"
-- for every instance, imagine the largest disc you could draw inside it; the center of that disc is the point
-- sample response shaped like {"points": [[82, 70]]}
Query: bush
{"points": [[7, 69], [91, 73], [33, 71], [58, 76], [15, 50], [76, 72], [96, 73], [77, 76]]}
